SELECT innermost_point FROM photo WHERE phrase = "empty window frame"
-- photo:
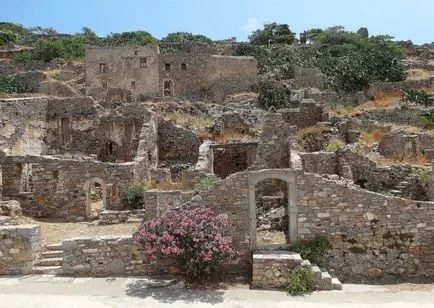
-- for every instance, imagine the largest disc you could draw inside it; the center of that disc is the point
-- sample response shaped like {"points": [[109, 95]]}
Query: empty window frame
{"points": [[183, 66], [103, 68], [143, 62], [167, 66]]}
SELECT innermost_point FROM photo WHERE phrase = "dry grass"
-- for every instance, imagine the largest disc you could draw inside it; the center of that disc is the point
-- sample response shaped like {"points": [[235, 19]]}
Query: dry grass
{"points": [[333, 145], [243, 94], [312, 130], [419, 161], [415, 129], [382, 100], [419, 74], [232, 137], [183, 119], [372, 135]]}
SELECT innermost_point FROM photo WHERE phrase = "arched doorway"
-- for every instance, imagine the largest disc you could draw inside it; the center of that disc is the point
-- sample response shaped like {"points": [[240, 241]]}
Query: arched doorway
{"points": [[168, 87], [287, 176], [96, 197]]}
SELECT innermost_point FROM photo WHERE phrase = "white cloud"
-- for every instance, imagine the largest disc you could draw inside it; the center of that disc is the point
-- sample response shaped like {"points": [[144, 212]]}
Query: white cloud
{"points": [[251, 25]]}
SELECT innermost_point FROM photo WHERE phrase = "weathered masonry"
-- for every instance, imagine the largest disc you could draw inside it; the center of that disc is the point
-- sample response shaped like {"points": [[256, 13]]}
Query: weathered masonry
{"points": [[144, 70]]}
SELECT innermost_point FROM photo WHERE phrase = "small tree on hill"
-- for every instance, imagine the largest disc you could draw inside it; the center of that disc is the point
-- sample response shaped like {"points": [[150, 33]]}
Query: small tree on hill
{"points": [[273, 33]]}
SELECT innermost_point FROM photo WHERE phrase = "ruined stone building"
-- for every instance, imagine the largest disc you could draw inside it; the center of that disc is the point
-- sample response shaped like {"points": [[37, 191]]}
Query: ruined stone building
{"points": [[145, 70]]}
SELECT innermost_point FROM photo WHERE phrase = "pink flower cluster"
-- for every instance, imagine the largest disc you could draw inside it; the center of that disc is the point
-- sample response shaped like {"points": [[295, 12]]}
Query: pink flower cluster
{"points": [[197, 238]]}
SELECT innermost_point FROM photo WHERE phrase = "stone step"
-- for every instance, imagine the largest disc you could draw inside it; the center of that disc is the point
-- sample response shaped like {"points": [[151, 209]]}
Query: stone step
{"points": [[336, 284], [50, 262], [325, 277], [52, 254], [56, 246], [134, 220], [47, 270]]}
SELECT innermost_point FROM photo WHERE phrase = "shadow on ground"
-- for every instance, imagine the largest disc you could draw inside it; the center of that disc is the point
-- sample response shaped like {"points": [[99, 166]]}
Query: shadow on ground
{"points": [[171, 292]]}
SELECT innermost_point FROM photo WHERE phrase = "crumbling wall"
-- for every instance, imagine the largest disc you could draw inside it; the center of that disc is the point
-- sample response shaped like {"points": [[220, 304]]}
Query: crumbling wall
{"points": [[130, 68], [233, 157], [401, 145], [120, 136], [22, 125], [374, 237], [19, 247], [308, 114], [177, 145], [56, 187], [71, 126], [308, 77], [274, 145]]}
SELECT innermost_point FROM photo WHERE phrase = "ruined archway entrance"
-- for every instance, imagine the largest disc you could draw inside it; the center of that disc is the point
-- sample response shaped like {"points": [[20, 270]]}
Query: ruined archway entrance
{"points": [[168, 87], [96, 197], [286, 175]]}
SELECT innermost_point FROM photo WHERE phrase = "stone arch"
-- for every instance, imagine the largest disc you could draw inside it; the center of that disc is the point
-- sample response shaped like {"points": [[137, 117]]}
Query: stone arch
{"points": [[86, 188], [289, 177], [168, 87]]}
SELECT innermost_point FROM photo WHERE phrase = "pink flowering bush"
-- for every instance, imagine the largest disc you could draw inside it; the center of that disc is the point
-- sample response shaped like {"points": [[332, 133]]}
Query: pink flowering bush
{"points": [[196, 238]]}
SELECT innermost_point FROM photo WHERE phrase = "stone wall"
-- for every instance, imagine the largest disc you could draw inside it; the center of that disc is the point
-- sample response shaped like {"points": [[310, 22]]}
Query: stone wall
{"points": [[401, 145], [120, 67], [145, 71], [156, 203], [47, 186], [320, 162], [409, 116], [233, 157], [274, 145], [308, 114], [396, 87], [308, 77], [22, 125], [19, 247], [176, 144], [374, 237], [330, 98], [109, 256]]}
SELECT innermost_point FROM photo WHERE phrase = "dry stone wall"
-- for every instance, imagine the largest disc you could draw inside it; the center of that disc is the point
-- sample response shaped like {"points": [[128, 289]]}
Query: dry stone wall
{"points": [[374, 237], [110, 256], [19, 247]]}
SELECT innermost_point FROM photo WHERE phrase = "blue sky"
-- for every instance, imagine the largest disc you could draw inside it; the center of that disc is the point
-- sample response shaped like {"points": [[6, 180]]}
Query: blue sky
{"points": [[219, 19]]}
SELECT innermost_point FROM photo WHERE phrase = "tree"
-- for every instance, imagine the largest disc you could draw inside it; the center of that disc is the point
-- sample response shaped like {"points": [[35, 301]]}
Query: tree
{"points": [[273, 33], [311, 35], [6, 37], [129, 38], [179, 37]]}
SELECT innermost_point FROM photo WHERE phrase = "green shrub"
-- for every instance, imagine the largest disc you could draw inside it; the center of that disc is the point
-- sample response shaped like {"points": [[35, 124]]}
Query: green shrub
{"points": [[273, 94], [134, 196], [11, 84], [301, 281], [314, 249], [419, 97], [425, 178], [205, 183]]}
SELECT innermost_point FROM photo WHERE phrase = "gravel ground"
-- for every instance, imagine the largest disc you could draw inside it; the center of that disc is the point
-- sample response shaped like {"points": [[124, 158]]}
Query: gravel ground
{"points": [[55, 231]]}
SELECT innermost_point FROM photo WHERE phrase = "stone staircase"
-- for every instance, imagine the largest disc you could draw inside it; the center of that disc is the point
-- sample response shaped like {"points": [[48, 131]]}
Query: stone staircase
{"points": [[271, 270], [50, 261]]}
